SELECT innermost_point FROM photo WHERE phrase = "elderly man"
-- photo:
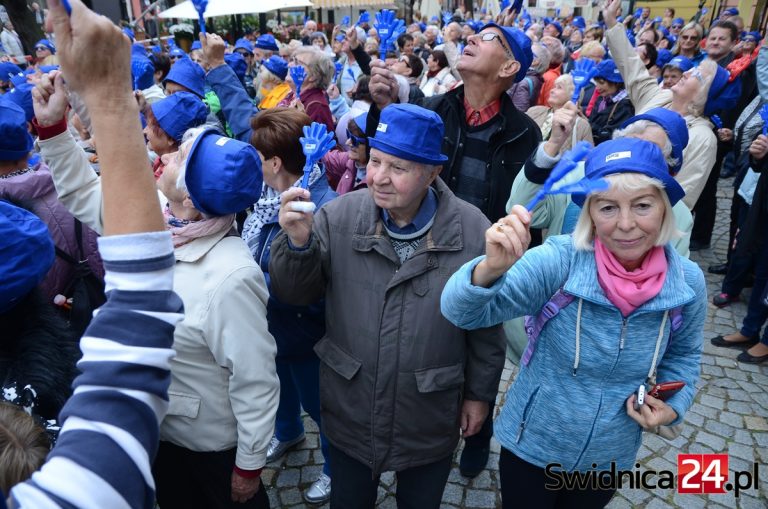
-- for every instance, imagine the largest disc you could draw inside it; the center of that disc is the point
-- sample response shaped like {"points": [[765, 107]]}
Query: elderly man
{"points": [[487, 141], [12, 43], [397, 381], [450, 46]]}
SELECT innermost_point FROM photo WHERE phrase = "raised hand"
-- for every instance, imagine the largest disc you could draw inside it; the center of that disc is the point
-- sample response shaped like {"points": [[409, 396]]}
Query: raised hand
{"points": [[383, 85], [49, 99], [213, 49], [505, 242], [296, 224], [611, 10]]}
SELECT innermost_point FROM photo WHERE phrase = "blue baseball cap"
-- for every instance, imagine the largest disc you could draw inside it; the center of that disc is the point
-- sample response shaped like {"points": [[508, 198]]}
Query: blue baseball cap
{"points": [[179, 112], [678, 21], [177, 52], [751, 37], [26, 253], [244, 44], [629, 155], [223, 175], [681, 62], [410, 132], [276, 66], [196, 45], [673, 124], [45, 43], [520, 45], [15, 140], [266, 41], [21, 95], [237, 63], [189, 75], [723, 94], [608, 71], [142, 72], [663, 57], [579, 22], [731, 11], [8, 69]]}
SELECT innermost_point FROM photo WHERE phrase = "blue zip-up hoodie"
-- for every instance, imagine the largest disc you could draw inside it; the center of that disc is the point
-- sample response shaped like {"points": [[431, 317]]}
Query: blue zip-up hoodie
{"points": [[560, 410], [296, 328]]}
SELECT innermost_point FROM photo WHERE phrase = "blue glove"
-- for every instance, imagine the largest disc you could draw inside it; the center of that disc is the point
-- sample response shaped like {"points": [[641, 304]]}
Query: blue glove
{"points": [[583, 71], [764, 116], [365, 17], [200, 6], [345, 21], [716, 120], [315, 143], [567, 163], [298, 74]]}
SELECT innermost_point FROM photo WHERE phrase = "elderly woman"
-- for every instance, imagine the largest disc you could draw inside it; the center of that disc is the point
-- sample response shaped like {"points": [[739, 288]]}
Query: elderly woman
{"points": [[688, 43], [525, 93], [272, 74], [411, 68], [394, 390], [319, 71], [438, 78], [637, 319], [346, 169], [610, 105], [296, 329], [559, 96], [224, 390]]}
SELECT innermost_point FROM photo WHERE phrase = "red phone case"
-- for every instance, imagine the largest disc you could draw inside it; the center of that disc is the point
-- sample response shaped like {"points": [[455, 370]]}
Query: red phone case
{"points": [[666, 390]]}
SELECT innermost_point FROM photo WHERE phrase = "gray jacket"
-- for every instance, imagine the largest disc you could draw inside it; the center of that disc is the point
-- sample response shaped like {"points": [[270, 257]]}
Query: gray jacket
{"points": [[394, 371]]}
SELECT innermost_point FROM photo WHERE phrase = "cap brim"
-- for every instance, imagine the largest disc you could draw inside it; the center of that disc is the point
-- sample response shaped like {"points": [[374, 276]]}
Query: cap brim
{"points": [[408, 155], [674, 190]]}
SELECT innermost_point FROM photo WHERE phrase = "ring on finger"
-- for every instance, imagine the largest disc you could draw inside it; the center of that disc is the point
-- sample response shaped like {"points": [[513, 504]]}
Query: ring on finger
{"points": [[500, 227]]}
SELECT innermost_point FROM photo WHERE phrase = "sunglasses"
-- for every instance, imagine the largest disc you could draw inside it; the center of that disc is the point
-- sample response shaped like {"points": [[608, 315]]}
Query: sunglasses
{"points": [[176, 57], [356, 140], [41, 48], [676, 26]]}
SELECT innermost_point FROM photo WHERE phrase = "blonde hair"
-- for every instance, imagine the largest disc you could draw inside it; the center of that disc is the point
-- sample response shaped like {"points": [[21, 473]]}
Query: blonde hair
{"points": [[690, 26], [627, 182], [23, 446], [567, 81], [592, 49]]}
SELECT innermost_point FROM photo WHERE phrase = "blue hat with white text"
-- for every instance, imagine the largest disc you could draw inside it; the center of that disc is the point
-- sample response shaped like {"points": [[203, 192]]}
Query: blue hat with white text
{"points": [[410, 132]]}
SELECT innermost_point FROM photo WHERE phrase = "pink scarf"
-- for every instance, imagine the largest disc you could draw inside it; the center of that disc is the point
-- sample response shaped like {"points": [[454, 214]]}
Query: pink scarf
{"points": [[184, 232], [628, 290]]}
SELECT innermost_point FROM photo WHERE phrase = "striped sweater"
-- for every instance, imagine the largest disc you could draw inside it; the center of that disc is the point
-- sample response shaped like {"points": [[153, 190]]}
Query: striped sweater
{"points": [[110, 426]]}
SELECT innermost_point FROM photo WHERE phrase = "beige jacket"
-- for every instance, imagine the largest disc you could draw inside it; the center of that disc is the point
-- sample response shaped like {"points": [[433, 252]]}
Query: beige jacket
{"points": [[224, 388], [645, 94]]}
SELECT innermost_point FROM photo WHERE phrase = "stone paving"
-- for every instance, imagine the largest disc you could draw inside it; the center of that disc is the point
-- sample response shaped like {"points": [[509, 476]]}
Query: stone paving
{"points": [[729, 414]]}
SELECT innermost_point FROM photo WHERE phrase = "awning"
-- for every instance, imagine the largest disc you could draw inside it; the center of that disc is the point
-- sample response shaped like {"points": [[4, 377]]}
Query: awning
{"points": [[341, 4], [227, 7]]}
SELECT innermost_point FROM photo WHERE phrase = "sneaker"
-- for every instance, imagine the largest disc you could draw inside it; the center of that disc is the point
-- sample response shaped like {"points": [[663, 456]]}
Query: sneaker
{"points": [[277, 448], [723, 299], [320, 491]]}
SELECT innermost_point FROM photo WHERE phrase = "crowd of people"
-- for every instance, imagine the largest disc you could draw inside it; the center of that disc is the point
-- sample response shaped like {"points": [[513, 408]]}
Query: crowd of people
{"points": [[143, 188]]}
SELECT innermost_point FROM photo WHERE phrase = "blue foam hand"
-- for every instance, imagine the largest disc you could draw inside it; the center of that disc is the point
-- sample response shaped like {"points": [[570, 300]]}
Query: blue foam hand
{"points": [[583, 71], [385, 20], [365, 17], [447, 17], [345, 21], [567, 163], [717, 121], [338, 67], [298, 74], [200, 6], [582, 187], [638, 12], [504, 4], [315, 143], [67, 7], [557, 13], [764, 116]]}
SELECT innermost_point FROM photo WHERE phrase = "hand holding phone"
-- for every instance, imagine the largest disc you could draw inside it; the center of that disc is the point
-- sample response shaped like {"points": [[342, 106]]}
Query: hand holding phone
{"points": [[640, 397], [666, 390]]}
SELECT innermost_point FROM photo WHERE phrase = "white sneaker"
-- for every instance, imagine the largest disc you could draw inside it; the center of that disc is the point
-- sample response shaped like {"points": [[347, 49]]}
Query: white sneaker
{"points": [[320, 491]]}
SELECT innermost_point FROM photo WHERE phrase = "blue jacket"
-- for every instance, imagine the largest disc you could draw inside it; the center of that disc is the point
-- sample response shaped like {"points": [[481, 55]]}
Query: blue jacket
{"points": [[296, 328], [576, 417], [236, 104]]}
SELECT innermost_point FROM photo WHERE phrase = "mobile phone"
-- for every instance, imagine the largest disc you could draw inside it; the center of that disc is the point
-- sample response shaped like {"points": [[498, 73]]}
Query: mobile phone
{"points": [[666, 390], [640, 396]]}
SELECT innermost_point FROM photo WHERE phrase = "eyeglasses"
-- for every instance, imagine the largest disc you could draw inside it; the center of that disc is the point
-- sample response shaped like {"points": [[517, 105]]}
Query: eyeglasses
{"points": [[489, 36], [41, 48], [406, 62], [356, 140], [176, 57], [696, 73]]}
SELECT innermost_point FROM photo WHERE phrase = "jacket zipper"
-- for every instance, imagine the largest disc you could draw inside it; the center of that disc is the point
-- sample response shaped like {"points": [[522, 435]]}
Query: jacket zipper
{"points": [[526, 411], [623, 333]]}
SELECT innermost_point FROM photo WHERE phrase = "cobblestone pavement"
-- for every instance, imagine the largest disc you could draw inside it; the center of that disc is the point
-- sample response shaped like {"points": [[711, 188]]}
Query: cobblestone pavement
{"points": [[730, 414]]}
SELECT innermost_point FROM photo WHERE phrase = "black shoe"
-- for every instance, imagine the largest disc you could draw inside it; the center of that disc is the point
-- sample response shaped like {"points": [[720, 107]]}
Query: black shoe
{"points": [[473, 460], [720, 341], [721, 269], [751, 359], [723, 299], [698, 246]]}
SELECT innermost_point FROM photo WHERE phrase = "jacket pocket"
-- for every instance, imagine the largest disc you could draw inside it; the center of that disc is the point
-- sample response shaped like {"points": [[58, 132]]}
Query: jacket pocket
{"points": [[337, 359], [184, 405], [439, 379], [530, 406]]}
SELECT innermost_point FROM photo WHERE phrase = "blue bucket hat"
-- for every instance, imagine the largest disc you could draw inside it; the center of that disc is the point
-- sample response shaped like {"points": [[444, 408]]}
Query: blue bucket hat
{"points": [[237, 63], [276, 66], [15, 141], [267, 41], [675, 127], [179, 112], [244, 44], [520, 45], [410, 132], [723, 94], [608, 71], [731, 11], [189, 75], [579, 22], [8, 69], [196, 45], [681, 62], [26, 253], [142, 72], [557, 26], [663, 57], [46, 44], [629, 155], [21, 95], [223, 175]]}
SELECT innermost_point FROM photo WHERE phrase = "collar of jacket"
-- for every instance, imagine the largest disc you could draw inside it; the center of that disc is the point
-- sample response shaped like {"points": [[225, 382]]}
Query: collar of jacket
{"points": [[192, 252], [445, 234], [582, 283], [456, 100]]}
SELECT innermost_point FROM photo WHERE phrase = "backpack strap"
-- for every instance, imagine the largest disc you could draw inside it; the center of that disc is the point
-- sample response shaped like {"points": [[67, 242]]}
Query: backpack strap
{"points": [[534, 325], [530, 88]]}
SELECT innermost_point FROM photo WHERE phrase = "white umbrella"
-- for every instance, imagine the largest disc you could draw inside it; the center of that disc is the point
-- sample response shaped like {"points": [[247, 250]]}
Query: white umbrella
{"points": [[228, 7]]}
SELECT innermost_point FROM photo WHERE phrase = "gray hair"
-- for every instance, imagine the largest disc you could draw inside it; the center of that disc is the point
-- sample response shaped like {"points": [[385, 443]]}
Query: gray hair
{"points": [[320, 65], [555, 47], [637, 128], [542, 57], [708, 69]]}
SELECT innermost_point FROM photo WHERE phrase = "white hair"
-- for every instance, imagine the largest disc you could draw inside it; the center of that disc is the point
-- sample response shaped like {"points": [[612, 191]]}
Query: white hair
{"points": [[637, 128], [542, 56], [627, 182]]}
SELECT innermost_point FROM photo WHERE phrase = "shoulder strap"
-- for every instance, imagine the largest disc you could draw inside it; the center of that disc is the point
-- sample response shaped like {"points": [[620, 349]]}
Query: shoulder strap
{"points": [[79, 238], [534, 325], [530, 87]]}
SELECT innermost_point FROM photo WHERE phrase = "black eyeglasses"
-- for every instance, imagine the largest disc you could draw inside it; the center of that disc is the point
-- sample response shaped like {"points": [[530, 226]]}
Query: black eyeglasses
{"points": [[406, 62], [356, 140], [676, 26], [40, 48]]}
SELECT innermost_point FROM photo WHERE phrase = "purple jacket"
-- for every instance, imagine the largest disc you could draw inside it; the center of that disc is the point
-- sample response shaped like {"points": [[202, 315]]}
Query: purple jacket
{"points": [[341, 172], [34, 190]]}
